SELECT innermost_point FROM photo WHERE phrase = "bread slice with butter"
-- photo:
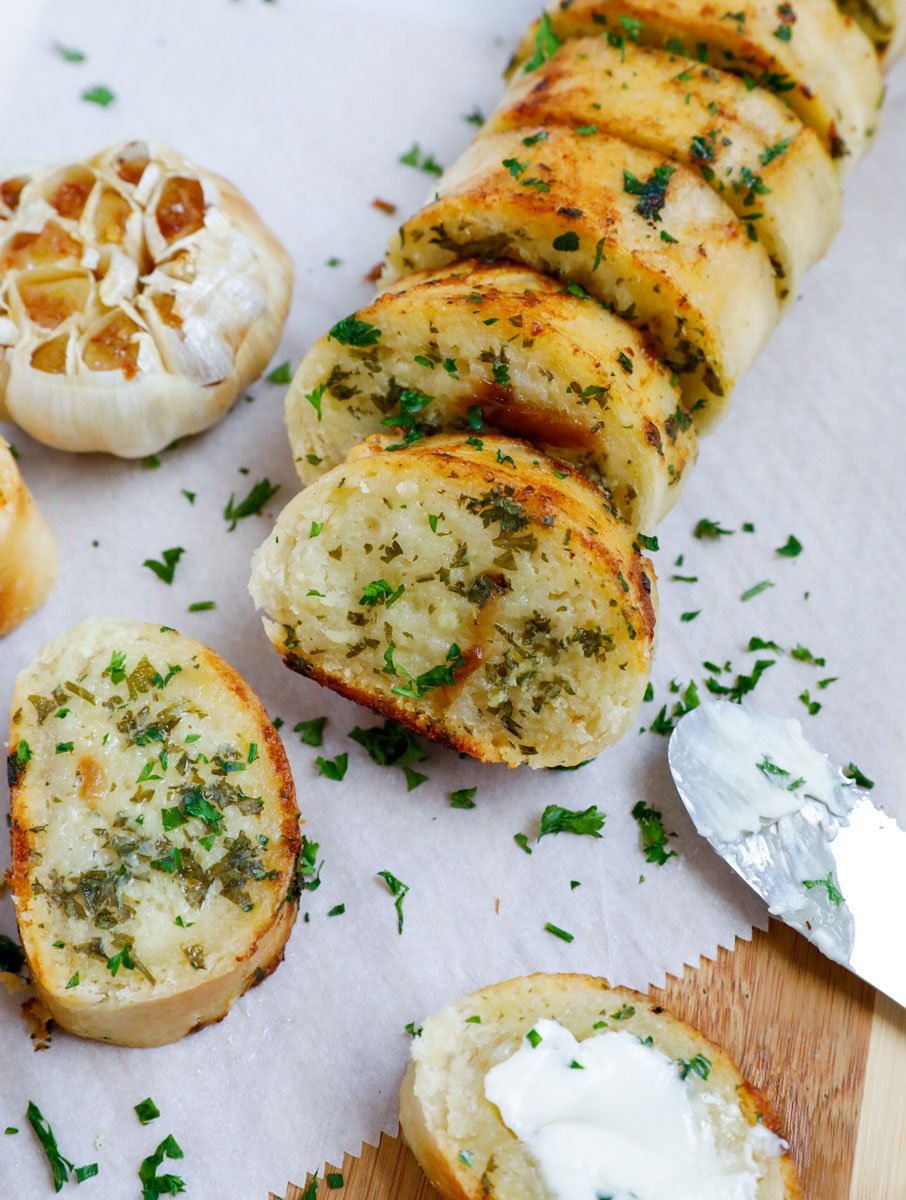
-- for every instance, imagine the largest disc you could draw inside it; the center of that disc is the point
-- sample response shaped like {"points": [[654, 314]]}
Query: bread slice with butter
{"points": [[154, 832], [28, 548], [499, 346], [772, 170], [646, 237], [813, 55], [462, 1142], [470, 588]]}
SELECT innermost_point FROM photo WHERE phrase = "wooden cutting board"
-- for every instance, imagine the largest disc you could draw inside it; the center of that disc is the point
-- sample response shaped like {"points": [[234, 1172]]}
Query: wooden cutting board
{"points": [[828, 1051]]}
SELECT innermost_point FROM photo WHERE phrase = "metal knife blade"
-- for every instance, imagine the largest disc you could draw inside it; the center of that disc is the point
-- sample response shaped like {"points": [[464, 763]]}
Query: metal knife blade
{"points": [[831, 867]]}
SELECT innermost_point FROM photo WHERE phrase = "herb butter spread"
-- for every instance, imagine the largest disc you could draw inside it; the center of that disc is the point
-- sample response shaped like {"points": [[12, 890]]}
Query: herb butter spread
{"points": [[765, 765], [612, 1116]]}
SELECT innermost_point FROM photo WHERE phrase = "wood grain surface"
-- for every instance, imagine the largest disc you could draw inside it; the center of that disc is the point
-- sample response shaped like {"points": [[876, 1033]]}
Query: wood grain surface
{"points": [[826, 1049]]}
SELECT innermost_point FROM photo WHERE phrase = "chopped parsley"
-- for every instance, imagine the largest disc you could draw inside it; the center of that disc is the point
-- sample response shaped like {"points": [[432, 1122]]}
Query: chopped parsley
{"points": [[147, 1111], [690, 616], [697, 1065], [534, 1038], [334, 769], [546, 44], [555, 819], [516, 168], [166, 569], [778, 775], [353, 332], [708, 530], [337, 910], [311, 732], [442, 675], [791, 548], [756, 589], [99, 95], [567, 242], [314, 397], [201, 606], [281, 374], [562, 934], [68, 53], [463, 798], [421, 160], [834, 895], [60, 1167], [654, 836], [261, 493], [379, 591], [522, 842], [803, 654], [859, 778], [812, 706], [757, 643], [392, 746], [154, 1185], [399, 891], [652, 192]]}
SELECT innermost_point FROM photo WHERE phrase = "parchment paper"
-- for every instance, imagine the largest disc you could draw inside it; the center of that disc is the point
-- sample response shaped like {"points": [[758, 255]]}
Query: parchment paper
{"points": [[308, 106]]}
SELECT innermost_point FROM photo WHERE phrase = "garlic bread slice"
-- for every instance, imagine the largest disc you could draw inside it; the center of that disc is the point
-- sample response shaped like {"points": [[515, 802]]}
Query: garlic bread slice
{"points": [[754, 152], [139, 295], [28, 548], [647, 237], [154, 832], [460, 1138], [471, 589], [498, 346], [812, 55]]}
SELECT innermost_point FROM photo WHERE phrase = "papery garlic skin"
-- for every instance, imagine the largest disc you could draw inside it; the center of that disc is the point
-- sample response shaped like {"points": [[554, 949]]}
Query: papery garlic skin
{"points": [[139, 296]]}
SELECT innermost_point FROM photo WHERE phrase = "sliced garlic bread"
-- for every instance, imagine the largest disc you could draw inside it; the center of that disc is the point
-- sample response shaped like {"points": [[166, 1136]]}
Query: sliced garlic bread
{"points": [[28, 548], [139, 295], [471, 589], [491, 1044], [154, 832], [500, 346], [646, 237], [769, 168], [812, 55]]}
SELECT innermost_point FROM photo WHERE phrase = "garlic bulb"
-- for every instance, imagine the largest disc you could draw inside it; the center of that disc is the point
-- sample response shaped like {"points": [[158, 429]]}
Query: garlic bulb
{"points": [[28, 548], [139, 295]]}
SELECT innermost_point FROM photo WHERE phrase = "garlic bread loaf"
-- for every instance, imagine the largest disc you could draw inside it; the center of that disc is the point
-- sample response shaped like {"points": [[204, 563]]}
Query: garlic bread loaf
{"points": [[745, 142], [811, 54], [139, 294], [154, 833], [498, 346], [28, 548], [471, 589], [646, 237], [554, 1087]]}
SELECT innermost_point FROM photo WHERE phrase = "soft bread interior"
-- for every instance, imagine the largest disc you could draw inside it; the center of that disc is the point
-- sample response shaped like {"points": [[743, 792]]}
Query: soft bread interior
{"points": [[154, 832], [481, 593]]}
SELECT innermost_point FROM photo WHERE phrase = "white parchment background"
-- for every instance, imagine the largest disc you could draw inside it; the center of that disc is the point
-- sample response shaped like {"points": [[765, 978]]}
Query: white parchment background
{"points": [[308, 106]]}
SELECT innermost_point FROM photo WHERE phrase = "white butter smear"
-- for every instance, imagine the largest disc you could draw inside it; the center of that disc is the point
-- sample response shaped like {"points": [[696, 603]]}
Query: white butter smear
{"points": [[766, 768], [772, 805], [611, 1117]]}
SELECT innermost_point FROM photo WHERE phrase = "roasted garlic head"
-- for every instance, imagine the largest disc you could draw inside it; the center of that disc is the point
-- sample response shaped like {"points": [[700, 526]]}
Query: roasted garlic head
{"points": [[139, 294]]}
